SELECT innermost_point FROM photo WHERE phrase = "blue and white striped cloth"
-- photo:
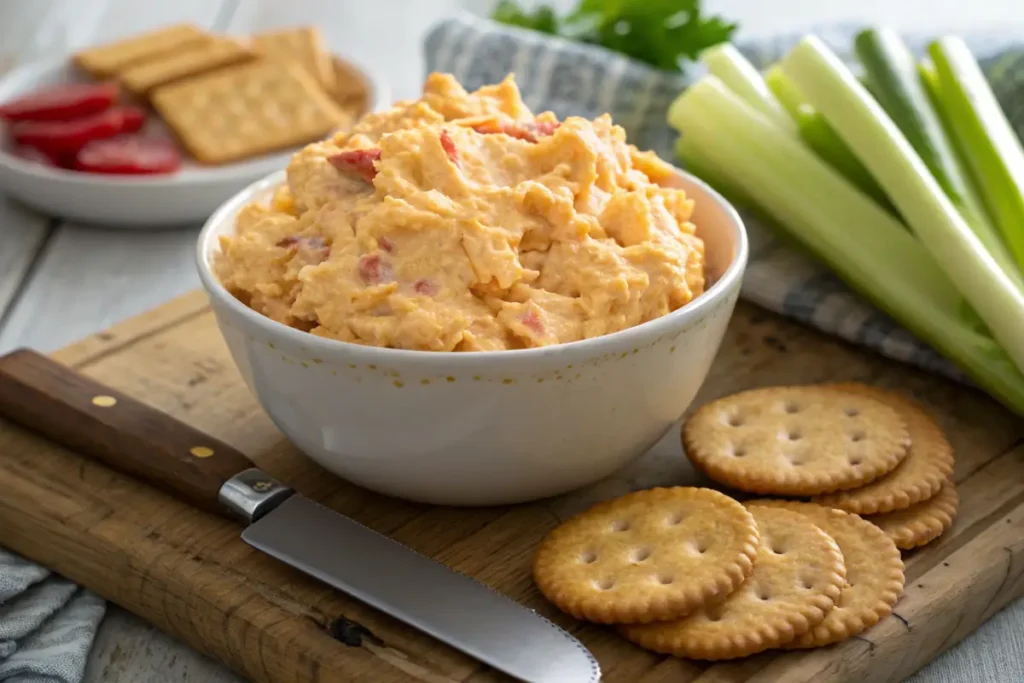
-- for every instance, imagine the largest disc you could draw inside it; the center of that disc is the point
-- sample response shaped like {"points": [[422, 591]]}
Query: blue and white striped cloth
{"points": [[573, 79]]}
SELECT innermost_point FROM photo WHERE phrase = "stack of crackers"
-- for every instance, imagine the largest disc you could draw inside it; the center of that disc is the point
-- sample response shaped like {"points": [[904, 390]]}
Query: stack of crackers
{"points": [[838, 479], [230, 98]]}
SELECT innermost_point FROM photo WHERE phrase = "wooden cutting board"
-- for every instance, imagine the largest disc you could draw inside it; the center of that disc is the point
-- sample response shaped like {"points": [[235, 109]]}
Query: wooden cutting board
{"points": [[190, 574]]}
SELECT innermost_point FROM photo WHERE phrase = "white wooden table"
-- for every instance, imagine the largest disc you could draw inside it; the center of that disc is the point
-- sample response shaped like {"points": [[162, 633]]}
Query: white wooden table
{"points": [[60, 281]]}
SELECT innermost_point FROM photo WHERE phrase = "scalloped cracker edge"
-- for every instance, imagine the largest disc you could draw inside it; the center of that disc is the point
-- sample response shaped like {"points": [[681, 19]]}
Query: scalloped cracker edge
{"points": [[797, 579], [795, 440], [650, 555]]}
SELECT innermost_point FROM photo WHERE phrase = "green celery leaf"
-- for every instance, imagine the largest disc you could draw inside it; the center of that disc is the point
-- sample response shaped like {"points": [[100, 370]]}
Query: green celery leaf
{"points": [[662, 33], [542, 19]]}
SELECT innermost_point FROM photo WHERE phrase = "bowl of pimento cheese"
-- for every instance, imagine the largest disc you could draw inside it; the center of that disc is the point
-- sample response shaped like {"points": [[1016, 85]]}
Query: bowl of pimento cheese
{"points": [[460, 302]]}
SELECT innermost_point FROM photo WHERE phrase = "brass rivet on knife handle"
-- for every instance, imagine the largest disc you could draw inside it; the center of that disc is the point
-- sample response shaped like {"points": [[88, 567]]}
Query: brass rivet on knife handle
{"points": [[136, 439]]}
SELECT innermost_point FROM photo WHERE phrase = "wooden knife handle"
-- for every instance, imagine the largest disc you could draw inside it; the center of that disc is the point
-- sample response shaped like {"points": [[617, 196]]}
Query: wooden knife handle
{"points": [[94, 420]]}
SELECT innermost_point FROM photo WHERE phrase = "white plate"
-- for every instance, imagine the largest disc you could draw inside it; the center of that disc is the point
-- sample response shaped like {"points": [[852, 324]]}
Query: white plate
{"points": [[188, 196]]}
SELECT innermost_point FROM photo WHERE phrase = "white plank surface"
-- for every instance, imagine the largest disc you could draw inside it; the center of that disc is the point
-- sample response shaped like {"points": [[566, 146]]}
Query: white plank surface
{"points": [[85, 278]]}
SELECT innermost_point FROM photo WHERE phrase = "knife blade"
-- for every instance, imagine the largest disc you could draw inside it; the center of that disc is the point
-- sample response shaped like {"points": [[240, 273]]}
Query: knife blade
{"points": [[149, 445]]}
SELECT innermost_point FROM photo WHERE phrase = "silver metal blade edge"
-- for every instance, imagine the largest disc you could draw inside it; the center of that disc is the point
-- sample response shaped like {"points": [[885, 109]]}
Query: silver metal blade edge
{"points": [[442, 602]]}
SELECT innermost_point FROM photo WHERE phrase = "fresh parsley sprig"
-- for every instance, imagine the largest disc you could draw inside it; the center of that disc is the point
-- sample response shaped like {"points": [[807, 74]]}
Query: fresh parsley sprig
{"points": [[663, 33]]}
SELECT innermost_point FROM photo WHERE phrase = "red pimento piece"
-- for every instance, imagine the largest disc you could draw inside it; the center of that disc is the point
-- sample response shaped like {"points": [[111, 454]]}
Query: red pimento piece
{"points": [[357, 162], [373, 270], [386, 244], [448, 145], [36, 155], [128, 155], [61, 102], [67, 137], [531, 131], [533, 321], [425, 287], [313, 247], [134, 119]]}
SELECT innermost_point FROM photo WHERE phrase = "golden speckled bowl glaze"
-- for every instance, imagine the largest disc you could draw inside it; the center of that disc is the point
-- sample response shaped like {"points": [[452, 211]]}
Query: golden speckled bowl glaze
{"points": [[482, 428]]}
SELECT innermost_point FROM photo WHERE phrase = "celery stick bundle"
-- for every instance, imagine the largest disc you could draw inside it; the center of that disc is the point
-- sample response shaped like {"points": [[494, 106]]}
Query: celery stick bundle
{"points": [[908, 182]]}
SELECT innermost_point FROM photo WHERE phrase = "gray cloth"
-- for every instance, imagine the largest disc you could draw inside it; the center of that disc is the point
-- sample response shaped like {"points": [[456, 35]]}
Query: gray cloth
{"points": [[47, 624]]}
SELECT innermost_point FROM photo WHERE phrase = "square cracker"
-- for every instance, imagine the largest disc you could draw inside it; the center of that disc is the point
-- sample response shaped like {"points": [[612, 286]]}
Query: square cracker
{"points": [[182, 64], [301, 44], [247, 110], [351, 90], [102, 61]]}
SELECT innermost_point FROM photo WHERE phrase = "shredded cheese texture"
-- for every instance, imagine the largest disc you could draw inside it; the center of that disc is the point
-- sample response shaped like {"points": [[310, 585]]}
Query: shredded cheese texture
{"points": [[462, 222]]}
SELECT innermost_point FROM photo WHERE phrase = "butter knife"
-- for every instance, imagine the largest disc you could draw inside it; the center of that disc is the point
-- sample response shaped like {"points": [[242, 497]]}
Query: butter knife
{"points": [[140, 441]]}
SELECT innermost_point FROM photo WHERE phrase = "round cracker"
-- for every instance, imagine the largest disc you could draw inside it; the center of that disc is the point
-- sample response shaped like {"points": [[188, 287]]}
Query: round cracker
{"points": [[921, 523], [797, 441], [796, 580], [874, 573], [928, 464], [653, 554]]}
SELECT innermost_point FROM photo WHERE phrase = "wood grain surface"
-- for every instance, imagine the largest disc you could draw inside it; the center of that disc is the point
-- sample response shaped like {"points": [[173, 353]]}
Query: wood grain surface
{"points": [[94, 420], [188, 573]]}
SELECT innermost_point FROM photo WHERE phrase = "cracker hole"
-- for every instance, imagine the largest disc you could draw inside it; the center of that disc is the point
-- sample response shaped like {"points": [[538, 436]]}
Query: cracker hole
{"points": [[675, 519], [641, 554], [588, 558], [807, 584], [762, 594], [715, 616], [739, 452], [791, 408], [734, 420], [793, 435], [665, 580], [620, 525], [851, 412], [858, 436], [856, 461], [778, 551], [604, 584]]}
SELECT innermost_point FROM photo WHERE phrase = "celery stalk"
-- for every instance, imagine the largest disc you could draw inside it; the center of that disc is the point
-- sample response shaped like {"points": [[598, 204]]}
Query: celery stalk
{"points": [[817, 133], [970, 199], [993, 149], [866, 246], [736, 71], [858, 118], [823, 139], [897, 84], [788, 95]]}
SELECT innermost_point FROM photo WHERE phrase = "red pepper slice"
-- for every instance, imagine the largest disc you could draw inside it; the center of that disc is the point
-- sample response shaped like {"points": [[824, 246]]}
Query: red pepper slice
{"points": [[67, 137], [357, 162], [128, 155], [61, 102], [134, 119], [448, 145]]}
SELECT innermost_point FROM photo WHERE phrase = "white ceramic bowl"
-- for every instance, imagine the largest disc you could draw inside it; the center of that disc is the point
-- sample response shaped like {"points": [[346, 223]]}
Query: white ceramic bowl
{"points": [[188, 196], [482, 428]]}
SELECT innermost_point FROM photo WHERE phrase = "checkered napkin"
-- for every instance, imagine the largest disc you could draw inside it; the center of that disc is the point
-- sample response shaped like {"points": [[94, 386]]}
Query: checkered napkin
{"points": [[574, 79], [47, 624]]}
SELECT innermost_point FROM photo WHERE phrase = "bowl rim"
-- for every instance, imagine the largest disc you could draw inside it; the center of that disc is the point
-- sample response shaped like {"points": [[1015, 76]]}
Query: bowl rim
{"points": [[688, 313], [29, 72]]}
